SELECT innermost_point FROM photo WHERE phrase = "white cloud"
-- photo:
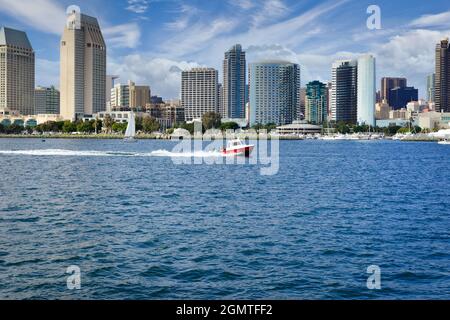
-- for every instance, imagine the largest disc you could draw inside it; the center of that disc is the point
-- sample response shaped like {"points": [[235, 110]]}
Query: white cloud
{"points": [[293, 31], [208, 39], [411, 52], [198, 37], [186, 14], [433, 20], [138, 6], [271, 10], [163, 75], [243, 4], [124, 35], [44, 15]]}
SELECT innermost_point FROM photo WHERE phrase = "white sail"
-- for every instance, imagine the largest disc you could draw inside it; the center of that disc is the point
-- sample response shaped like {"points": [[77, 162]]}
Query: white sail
{"points": [[131, 128]]}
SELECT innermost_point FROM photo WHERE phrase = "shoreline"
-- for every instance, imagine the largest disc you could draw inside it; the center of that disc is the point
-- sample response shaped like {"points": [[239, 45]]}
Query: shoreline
{"points": [[168, 138]]}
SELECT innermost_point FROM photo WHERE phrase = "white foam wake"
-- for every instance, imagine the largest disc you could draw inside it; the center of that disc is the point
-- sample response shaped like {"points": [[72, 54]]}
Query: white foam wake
{"points": [[76, 153]]}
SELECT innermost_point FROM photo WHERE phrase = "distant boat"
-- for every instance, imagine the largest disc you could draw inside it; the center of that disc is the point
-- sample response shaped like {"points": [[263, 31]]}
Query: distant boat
{"points": [[130, 133], [446, 141]]}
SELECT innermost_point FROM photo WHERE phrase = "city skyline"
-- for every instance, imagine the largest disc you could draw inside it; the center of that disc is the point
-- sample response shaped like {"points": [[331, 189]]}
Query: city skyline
{"points": [[153, 42]]}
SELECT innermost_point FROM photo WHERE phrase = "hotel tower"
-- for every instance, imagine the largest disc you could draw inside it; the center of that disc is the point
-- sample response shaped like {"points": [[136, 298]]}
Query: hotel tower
{"points": [[17, 63], [83, 67]]}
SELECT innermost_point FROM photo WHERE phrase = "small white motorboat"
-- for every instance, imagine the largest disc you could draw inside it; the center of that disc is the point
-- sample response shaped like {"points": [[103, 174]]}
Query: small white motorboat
{"points": [[238, 148]]}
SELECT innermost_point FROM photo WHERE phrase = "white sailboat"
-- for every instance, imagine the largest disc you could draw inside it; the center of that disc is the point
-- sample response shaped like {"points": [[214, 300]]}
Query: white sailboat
{"points": [[130, 133]]}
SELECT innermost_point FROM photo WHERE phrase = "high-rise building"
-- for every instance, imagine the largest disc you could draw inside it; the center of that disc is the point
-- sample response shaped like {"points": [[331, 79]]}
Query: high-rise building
{"points": [[139, 95], [234, 83], [120, 97], [83, 67], [442, 86], [46, 100], [300, 115], [274, 92], [344, 91], [110, 83], [130, 96], [199, 92], [366, 90], [431, 80], [400, 97], [247, 94], [329, 88], [316, 102], [221, 101], [17, 69], [387, 84]]}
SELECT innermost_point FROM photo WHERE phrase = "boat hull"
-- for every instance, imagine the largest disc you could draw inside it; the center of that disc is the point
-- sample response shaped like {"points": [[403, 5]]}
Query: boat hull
{"points": [[240, 151], [131, 140]]}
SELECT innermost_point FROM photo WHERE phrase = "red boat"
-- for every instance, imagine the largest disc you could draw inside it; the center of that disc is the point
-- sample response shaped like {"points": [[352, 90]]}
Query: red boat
{"points": [[238, 148]]}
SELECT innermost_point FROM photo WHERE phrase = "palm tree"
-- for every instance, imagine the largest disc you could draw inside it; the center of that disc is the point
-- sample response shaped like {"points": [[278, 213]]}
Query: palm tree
{"points": [[108, 123]]}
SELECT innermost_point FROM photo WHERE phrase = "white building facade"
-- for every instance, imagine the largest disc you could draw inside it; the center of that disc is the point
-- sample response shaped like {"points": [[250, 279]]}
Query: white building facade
{"points": [[366, 90], [199, 92]]}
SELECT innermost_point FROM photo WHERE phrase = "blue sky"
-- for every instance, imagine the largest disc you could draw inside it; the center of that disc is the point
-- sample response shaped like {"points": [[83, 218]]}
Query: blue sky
{"points": [[151, 41]]}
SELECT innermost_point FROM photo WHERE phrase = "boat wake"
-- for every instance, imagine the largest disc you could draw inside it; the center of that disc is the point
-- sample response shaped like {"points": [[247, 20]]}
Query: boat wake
{"points": [[76, 153]]}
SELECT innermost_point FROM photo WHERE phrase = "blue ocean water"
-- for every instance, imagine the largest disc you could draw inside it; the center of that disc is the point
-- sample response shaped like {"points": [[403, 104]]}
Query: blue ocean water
{"points": [[141, 227]]}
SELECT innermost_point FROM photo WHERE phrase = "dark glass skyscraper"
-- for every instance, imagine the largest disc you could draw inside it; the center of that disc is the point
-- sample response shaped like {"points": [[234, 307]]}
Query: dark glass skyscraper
{"points": [[344, 97], [234, 83], [400, 97], [316, 102], [387, 84], [442, 87]]}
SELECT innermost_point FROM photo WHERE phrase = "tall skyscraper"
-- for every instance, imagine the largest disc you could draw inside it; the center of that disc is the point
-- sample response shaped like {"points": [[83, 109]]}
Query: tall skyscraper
{"points": [[344, 102], [47, 100], [387, 84], [316, 102], [431, 80], [17, 69], [83, 67], [234, 83], [274, 92], [442, 86], [199, 92], [366, 90]]}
